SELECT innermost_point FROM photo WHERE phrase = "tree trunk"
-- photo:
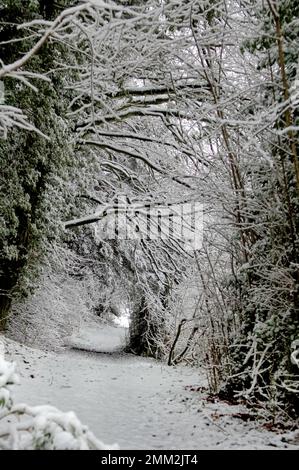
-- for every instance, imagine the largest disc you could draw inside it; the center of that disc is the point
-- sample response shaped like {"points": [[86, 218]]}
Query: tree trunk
{"points": [[8, 280]]}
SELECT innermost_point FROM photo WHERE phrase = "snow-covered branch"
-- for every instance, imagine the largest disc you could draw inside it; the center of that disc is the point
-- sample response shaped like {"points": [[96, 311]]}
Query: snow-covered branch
{"points": [[66, 15]]}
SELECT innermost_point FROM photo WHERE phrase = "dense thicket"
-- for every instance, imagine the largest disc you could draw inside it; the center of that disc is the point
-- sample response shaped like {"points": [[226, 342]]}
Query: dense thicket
{"points": [[32, 164]]}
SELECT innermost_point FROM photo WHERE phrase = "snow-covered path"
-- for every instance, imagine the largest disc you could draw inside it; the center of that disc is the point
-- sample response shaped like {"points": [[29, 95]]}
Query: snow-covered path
{"points": [[136, 402]]}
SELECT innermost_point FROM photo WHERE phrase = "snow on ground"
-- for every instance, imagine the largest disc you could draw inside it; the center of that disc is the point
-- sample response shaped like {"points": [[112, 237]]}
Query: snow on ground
{"points": [[98, 338], [136, 402]]}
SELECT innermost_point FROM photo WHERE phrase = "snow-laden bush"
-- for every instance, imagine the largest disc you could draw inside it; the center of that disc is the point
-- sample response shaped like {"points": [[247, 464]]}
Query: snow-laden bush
{"points": [[24, 427], [52, 313], [64, 295]]}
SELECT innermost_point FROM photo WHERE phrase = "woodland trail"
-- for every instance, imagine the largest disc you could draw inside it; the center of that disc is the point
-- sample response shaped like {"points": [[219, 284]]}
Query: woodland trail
{"points": [[136, 402]]}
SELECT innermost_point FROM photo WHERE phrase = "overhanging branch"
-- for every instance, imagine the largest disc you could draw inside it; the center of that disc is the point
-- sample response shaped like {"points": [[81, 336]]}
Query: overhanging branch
{"points": [[137, 156]]}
